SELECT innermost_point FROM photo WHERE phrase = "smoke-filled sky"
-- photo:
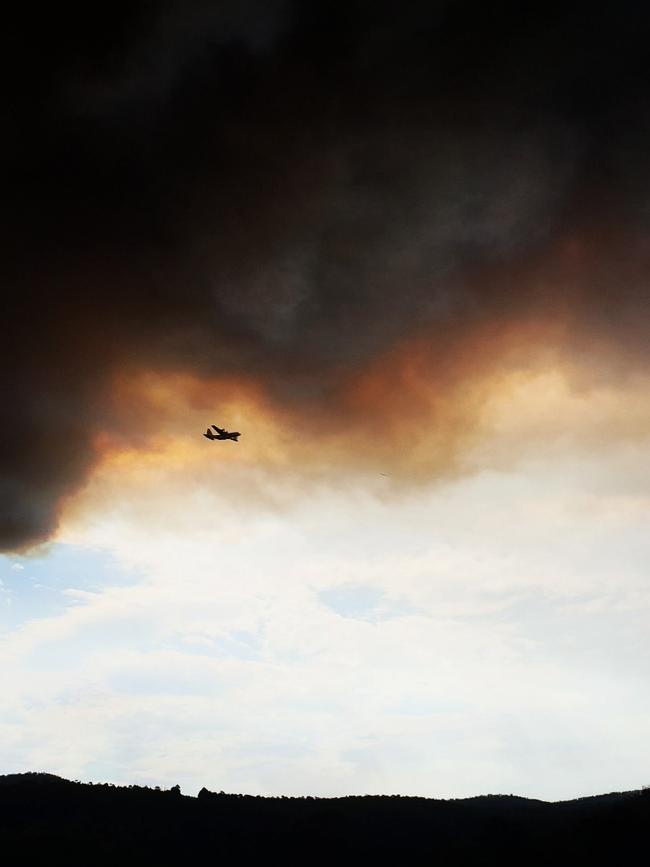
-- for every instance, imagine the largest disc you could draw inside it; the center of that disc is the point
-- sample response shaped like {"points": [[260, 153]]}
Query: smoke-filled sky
{"points": [[404, 248]]}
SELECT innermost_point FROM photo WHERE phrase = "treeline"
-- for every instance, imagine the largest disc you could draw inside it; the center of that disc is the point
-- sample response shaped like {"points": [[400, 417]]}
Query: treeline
{"points": [[46, 817]]}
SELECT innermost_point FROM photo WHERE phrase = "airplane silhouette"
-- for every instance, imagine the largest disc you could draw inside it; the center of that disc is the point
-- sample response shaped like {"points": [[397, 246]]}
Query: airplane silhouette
{"points": [[221, 434]]}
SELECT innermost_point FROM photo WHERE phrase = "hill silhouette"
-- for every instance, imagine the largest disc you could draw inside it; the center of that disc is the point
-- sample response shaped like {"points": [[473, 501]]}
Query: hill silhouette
{"points": [[46, 819]]}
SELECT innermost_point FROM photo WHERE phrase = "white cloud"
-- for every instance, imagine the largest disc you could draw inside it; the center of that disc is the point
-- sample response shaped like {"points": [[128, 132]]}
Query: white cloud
{"points": [[502, 647]]}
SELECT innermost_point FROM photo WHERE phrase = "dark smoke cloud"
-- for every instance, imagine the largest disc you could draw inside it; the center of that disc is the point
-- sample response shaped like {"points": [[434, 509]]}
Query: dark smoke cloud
{"points": [[287, 189]]}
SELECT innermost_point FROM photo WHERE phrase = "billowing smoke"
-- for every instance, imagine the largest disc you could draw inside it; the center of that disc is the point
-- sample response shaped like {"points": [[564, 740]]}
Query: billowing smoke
{"points": [[288, 191]]}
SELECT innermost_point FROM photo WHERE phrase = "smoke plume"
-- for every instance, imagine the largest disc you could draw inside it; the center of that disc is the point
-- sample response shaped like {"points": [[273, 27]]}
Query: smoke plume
{"points": [[296, 195]]}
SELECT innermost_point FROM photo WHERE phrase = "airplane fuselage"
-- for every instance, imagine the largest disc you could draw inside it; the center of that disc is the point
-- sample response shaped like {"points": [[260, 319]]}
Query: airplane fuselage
{"points": [[222, 435]]}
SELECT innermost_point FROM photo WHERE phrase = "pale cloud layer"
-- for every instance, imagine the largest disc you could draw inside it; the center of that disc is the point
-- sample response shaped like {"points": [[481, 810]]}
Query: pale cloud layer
{"points": [[489, 634]]}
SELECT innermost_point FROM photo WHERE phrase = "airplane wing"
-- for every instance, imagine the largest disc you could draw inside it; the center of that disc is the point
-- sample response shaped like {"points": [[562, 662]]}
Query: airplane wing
{"points": [[219, 430]]}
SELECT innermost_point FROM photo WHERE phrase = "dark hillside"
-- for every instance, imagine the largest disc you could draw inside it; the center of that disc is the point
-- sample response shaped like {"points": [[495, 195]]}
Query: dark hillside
{"points": [[56, 821]]}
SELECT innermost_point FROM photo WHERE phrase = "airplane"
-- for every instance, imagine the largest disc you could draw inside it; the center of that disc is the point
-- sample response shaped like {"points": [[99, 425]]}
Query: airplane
{"points": [[221, 434]]}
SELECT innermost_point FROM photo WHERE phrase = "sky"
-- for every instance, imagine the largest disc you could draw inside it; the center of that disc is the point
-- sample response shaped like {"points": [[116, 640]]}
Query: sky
{"points": [[403, 248]]}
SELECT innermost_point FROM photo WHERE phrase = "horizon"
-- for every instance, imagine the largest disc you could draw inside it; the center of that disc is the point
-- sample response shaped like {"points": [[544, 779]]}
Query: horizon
{"points": [[176, 790]]}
